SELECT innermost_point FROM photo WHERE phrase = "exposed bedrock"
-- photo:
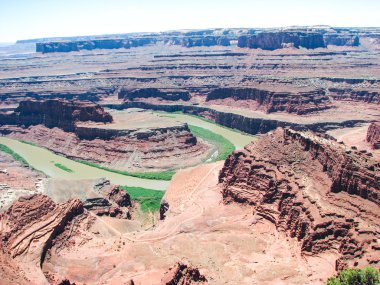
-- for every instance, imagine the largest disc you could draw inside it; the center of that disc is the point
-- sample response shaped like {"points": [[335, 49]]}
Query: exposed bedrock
{"points": [[181, 274], [29, 227], [199, 41], [313, 188], [355, 95], [112, 201], [341, 39], [55, 113], [277, 40], [68, 46], [91, 94], [373, 135], [300, 103], [164, 94]]}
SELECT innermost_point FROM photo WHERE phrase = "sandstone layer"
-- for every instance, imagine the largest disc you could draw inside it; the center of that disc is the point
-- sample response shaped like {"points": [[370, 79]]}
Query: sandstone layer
{"points": [[318, 191], [28, 229], [55, 113], [373, 135], [277, 40], [92, 44], [164, 94], [300, 103]]}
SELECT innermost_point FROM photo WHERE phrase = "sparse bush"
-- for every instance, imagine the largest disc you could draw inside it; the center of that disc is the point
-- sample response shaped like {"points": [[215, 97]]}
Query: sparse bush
{"points": [[365, 276]]}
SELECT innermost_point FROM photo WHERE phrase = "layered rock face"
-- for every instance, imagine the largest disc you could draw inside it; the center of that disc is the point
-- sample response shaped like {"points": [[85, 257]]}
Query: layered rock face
{"points": [[145, 93], [277, 40], [373, 135], [341, 39], [195, 41], [313, 188], [56, 113], [300, 103], [348, 94], [28, 228], [181, 274], [68, 46]]}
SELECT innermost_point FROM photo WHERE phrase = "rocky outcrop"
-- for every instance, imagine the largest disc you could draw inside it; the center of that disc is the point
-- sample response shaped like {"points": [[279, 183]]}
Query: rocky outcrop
{"points": [[55, 113], [164, 94], [29, 226], [113, 201], [300, 103], [373, 135], [348, 94], [198, 41], [68, 46], [315, 189], [164, 207], [338, 39], [279, 39], [181, 274]]}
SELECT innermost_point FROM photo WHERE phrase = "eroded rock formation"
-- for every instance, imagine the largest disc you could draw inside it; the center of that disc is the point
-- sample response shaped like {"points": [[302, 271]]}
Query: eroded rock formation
{"points": [[278, 39], [373, 135], [341, 39], [55, 113], [113, 201], [367, 96], [164, 94], [198, 41], [68, 46], [313, 188], [181, 274], [28, 228], [300, 103]]}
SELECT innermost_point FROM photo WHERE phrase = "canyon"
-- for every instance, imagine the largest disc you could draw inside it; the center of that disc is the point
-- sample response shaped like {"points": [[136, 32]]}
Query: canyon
{"points": [[267, 138], [85, 131]]}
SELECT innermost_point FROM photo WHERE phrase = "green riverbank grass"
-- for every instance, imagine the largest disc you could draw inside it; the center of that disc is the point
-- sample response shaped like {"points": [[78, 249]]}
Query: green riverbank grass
{"points": [[225, 147], [148, 199]]}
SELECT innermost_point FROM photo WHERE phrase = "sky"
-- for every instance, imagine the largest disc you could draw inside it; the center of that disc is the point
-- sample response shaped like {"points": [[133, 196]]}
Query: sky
{"points": [[27, 19]]}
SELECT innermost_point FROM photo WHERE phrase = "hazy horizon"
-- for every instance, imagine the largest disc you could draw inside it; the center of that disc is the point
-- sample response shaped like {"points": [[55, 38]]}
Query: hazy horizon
{"points": [[20, 20]]}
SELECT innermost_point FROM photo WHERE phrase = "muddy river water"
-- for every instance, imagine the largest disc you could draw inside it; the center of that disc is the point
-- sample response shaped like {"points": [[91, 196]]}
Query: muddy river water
{"points": [[44, 160], [238, 139]]}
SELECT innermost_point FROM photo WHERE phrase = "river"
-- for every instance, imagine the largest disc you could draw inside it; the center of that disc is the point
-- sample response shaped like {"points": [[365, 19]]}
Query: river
{"points": [[44, 160]]}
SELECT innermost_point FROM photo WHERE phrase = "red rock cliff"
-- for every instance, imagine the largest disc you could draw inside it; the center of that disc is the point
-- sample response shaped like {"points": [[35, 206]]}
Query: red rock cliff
{"points": [[314, 189], [59, 113], [373, 135], [300, 103]]}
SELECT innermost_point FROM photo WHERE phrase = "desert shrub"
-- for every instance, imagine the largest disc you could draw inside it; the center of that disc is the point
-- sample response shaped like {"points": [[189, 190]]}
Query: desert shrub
{"points": [[365, 276]]}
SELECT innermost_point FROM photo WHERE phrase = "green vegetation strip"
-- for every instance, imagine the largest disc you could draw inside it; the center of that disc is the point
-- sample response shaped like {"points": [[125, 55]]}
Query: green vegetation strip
{"points": [[225, 147], [163, 175], [15, 155], [365, 276], [148, 199], [64, 168], [29, 143]]}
